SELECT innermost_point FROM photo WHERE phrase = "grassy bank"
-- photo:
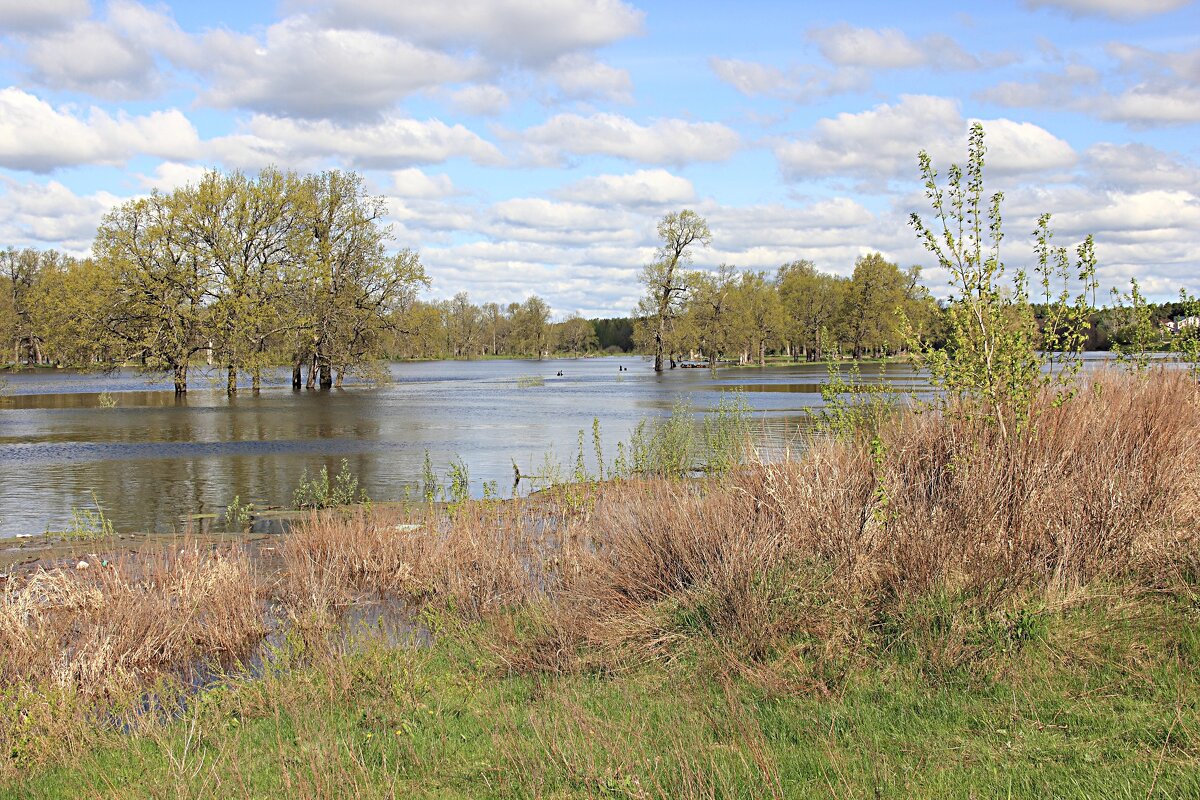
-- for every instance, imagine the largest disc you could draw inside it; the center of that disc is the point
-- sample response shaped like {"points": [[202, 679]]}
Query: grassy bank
{"points": [[933, 610]]}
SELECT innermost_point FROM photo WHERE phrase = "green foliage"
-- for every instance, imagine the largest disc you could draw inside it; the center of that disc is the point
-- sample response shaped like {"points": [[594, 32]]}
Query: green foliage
{"points": [[993, 361], [237, 514], [318, 492], [88, 524], [458, 492], [852, 406], [106, 400], [1136, 339], [429, 480]]}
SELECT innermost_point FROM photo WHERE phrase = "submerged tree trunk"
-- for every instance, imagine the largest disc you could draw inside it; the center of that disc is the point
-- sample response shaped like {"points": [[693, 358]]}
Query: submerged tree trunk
{"points": [[297, 373], [341, 376], [181, 371], [326, 375], [256, 380], [312, 372], [231, 378]]}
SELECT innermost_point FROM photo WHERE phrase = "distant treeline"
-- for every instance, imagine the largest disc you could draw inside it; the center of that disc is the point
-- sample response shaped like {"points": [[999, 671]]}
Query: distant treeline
{"points": [[246, 273]]}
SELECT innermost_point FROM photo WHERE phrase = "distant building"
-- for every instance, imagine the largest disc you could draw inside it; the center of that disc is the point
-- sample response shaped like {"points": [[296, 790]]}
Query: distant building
{"points": [[1177, 325]]}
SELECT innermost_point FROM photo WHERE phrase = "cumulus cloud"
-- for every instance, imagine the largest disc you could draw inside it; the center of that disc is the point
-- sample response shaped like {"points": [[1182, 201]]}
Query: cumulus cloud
{"points": [[391, 143], [581, 77], [890, 48], [647, 187], [171, 175], [665, 141], [1134, 166], [481, 100], [884, 141], [521, 31], [93, 58], [37, 137], [413, 183], [309, 71], [798, 83], [1116, 9], [25, 16], [50, 215]]}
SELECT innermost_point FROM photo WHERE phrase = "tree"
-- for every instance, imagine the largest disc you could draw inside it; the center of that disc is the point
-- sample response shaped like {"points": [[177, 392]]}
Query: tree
{"points": [[21, 269], [351, 286], [576, 335], [872, 304], [161, 284], [531, 326], [812, 302], [996, 357], [711, 311], [663, 278], [759, 312]]}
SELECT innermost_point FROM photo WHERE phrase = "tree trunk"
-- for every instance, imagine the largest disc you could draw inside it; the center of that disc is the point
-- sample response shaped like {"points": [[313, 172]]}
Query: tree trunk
{"points": [[231, 378], [326, 375], [762, 352], [658, 347], [256, 380], [341, 376], [181, 371], [312, 372], [296, 374]]}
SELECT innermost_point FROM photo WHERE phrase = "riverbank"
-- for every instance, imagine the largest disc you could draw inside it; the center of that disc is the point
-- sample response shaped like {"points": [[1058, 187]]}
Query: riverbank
{"points": [[939, 610]]}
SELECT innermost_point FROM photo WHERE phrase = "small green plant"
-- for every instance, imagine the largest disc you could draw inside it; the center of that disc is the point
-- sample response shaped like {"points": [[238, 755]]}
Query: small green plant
{"points": [[1136, 338], [459, 490], [853, 406], [429, 480], [88, 525], [598, 448], [106, 400], [318, 492], [530, 381], [237, 514]]}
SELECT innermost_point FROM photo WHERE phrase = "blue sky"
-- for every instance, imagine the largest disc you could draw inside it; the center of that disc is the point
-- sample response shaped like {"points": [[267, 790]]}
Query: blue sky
{"points": [[531, 146]]}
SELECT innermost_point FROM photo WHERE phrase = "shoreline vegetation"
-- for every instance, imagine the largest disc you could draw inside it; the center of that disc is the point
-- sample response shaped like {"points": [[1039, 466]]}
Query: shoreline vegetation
{"points": [[989, 590]]}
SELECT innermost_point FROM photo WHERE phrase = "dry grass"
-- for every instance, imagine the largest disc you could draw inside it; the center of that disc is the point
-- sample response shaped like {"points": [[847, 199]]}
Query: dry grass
{"points": [[80, 645], [942, 505]]}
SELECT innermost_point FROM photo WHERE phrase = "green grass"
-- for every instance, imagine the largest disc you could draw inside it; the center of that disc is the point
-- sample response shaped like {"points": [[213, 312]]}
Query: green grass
{"points": [[1100, 701]]}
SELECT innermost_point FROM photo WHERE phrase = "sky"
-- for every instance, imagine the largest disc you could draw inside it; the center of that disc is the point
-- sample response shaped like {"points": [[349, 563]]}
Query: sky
{"points": [[532, 146]]}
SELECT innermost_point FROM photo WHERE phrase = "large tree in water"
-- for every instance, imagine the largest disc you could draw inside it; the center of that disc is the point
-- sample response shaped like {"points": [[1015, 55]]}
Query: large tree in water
{"points": [[664, 279]]}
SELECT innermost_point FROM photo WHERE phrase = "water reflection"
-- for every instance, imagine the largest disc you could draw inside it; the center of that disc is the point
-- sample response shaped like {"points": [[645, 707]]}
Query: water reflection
{"points": [[154, 459]]}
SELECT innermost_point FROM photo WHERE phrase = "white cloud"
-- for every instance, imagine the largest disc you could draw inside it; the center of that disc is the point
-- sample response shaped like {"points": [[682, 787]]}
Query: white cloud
{"points": [[798, 83], [93, 58], [50, 215], [665, 141], [1148, 105], [1117, 9], [392, 143], [867, 47], [1046, 89], [37, 137], [308, 71], [24, 15], [647, 187], [413, 183], [884, 142], [522, 31], [171, 175], [582, 77], [890, 48], [1134, 166], [481, 100]]}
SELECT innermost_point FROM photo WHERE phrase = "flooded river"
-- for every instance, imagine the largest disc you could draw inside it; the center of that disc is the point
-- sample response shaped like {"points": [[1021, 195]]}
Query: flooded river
{"points": [[153, 459]]}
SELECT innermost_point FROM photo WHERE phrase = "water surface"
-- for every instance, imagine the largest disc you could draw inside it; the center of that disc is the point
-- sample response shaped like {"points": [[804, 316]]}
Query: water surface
{"points": [[154, 459]]}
